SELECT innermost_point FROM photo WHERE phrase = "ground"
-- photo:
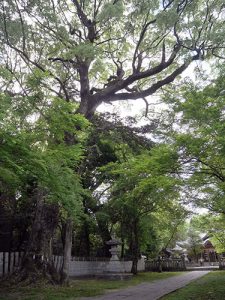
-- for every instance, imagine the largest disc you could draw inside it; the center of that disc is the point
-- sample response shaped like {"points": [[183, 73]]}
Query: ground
{"points": [[78, 288], [209, 287]]}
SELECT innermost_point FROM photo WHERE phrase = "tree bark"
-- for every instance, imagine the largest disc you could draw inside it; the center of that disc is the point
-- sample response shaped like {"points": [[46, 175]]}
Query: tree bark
{"points": [[37, 262], [67, 252]]}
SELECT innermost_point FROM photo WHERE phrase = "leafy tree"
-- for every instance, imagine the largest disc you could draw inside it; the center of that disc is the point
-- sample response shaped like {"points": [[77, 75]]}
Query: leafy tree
{"points": [[213, 226], [200, 140], [139, 188], [194, 243], [170, 226], [37, 168], [109, 141]]}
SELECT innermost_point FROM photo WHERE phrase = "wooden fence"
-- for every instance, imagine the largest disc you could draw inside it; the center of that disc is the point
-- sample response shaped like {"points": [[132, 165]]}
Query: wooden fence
{"points": [[77, 258], [9, 261], [165, 265]]}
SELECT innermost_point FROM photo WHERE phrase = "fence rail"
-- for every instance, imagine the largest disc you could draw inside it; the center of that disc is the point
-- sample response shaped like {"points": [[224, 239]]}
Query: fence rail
{"points": [[165, 265]]}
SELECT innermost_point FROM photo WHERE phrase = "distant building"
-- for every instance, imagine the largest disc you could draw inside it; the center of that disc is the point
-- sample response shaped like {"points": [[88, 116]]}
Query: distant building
{"points": [[209, 253]]}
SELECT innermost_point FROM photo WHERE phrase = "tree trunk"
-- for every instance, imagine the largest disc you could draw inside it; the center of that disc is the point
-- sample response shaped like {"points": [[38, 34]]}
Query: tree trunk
{"points": [[135, 248], [67, 252], [122, 248], [86, 240], [37, 262], [134, 269], [105, 236], [159, 264]]}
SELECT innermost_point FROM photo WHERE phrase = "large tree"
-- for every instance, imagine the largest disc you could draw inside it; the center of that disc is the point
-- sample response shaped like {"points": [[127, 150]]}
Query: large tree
{"points": [[84, 53]]}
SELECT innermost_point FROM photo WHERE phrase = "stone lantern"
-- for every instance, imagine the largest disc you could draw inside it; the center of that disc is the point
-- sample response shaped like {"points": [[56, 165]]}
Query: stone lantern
{"points": [[114, 265], [113, 243], [114, 269]]}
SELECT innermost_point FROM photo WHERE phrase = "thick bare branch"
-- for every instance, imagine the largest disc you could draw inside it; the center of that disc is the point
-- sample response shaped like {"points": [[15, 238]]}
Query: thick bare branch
{"points": [[147, 92], [122, 84]]}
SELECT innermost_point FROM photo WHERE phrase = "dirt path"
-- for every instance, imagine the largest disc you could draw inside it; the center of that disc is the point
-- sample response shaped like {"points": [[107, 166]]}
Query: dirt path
{"points": [[153, 290]]}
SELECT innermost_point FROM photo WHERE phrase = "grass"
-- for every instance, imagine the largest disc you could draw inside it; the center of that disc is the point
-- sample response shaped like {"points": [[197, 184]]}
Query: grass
{"points": [[78, 288], [209, 287]]}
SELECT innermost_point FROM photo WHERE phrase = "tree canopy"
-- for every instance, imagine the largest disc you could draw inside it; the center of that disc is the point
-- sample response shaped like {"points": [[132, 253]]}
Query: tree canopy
{"points": [[200, 141], [90, 52]]}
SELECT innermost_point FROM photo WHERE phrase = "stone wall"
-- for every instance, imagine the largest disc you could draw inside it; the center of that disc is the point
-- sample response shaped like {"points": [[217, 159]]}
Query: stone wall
{"points": [[80, 267]]}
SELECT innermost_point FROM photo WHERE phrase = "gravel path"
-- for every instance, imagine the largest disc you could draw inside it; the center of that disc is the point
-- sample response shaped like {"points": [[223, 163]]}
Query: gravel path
{"points": [[153, 290]]}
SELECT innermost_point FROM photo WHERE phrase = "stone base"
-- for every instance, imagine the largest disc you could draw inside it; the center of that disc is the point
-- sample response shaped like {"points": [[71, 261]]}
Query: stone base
{"points": [[114, 276], [114, 266]]}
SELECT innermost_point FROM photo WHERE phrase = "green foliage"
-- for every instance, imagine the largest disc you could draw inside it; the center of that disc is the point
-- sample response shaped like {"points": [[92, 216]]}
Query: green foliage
{"points": [[147, 175], [111, 12], [38, 150], [61, 118], [194, 243], [53, 53], [170, 226], [83, 51], [37, 31], [145, 191], [202, 143], [36, 78]]}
